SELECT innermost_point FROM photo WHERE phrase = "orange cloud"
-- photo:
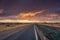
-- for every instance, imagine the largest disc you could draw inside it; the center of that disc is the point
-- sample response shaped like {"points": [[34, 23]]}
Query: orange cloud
{"points": [[26, 14], [29, 14], [52, 14], [32, 16]]}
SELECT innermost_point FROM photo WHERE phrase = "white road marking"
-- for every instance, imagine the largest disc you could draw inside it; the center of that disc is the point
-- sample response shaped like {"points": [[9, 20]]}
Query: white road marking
{"points": [[41, 34], [35, 33]]}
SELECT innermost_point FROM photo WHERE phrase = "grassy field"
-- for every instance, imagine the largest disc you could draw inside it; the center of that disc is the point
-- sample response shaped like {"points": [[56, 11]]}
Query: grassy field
{"points": [[50, 30], [51, 24], [9, 26]]}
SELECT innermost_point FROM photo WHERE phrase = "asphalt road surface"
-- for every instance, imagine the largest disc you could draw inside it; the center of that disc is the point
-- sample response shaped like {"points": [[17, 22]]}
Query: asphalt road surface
{"points": [[25, 33], [31, 32]]}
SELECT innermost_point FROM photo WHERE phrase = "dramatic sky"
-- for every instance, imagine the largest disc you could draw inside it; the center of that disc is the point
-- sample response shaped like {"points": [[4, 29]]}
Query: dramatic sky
{"points": [[46, 10]]}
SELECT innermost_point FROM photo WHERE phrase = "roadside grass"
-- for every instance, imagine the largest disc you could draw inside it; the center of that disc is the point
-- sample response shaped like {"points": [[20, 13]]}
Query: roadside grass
{"points": [[50, 30], [51, 24]]}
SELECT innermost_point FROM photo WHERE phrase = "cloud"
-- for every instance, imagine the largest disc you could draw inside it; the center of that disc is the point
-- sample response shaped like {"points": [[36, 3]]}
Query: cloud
{"points": [[30, 9], [40, 15], [52, 15], [1, 11], [8, 17], [25, 15]]}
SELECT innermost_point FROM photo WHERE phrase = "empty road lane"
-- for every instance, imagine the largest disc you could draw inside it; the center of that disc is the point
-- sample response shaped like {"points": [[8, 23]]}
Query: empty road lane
{"points": [[26, 33]]}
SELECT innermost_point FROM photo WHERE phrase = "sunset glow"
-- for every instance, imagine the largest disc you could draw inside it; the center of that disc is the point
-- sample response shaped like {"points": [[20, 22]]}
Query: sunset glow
{"points": [[32, 10], [29, 15], [52, 15], [19, 21]]}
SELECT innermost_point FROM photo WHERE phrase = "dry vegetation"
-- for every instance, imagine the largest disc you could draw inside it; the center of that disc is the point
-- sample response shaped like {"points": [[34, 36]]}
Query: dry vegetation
{"points": [[52, 24], [50, 30], [6, 26]]}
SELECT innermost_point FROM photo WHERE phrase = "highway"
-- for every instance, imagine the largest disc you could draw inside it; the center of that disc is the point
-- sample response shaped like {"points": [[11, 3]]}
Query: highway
{"points": [[29, 32], [25, 33]]}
